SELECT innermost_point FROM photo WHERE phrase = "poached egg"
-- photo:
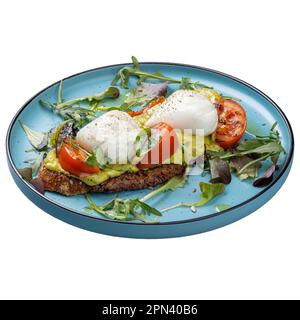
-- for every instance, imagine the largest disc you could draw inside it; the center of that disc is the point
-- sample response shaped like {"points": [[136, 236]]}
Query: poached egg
{"points": [[114, 132], [187, 109]]}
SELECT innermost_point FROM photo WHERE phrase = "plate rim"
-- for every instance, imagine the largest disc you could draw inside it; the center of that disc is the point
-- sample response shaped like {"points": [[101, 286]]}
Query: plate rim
{"points": [[259, 194]]}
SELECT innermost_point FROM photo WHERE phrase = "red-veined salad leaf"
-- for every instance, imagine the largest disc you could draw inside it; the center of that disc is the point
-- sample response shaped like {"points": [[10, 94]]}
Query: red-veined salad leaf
{"points": [[220, 171]]}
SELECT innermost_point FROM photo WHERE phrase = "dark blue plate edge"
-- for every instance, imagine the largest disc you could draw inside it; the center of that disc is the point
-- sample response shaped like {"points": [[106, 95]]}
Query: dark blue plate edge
{"points": [[283, 169]]}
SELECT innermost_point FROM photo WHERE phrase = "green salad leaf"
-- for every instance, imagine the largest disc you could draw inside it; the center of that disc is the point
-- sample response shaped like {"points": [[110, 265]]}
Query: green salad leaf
{"points": [[124, 74], [246, 158], [208, 192], [188, 84], [71, 109], [125, 210], [98, 158], [39, 140], [109, 93], [245, 166], [270, 148], [171, 185], [60, 97], [77, 114]]}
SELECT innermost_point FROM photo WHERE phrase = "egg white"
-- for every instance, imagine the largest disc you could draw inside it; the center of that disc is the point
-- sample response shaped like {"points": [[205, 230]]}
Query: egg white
{"points": [[187, 109], [115, 132]]}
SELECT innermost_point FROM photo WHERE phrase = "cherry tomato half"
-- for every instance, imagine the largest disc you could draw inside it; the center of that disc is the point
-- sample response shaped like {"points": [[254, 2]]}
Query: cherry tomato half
{"points": [[232, 123], [72, 159], [149, 106], [163, 150]]}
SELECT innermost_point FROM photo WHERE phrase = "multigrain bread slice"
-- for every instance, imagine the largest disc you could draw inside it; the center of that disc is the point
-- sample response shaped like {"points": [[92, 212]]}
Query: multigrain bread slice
{"points": [[58, 182]]}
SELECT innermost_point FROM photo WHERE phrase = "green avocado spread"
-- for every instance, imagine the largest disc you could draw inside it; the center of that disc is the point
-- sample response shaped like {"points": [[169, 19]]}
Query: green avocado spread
{"points": [[114, 170]]}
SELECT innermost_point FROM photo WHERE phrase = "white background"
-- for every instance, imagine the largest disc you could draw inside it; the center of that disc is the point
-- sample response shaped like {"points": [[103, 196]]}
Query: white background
{"points": [[43, 41]]}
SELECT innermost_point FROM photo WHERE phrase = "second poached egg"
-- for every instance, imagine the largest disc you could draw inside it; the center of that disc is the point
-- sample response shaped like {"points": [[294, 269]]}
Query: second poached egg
{"points": [[187, 109]]}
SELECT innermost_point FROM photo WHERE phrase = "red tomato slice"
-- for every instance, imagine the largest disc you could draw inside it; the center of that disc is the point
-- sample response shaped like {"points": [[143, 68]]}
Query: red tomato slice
{"points": [[232, 123], [73, 158], [149, 106], [163, 150]]}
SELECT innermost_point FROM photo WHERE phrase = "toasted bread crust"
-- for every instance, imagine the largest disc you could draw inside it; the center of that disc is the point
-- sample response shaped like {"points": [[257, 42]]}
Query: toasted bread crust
{"points": [[58, 182]]}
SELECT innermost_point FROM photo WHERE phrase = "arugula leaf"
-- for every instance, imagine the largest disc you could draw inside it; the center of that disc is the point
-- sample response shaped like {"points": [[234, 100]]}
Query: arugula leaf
{"points": [[71, 110], [123, 107], [110, 92], [78, 114], [261, 145], [125, 73], [185, 83], [39, 140], [250, 144], [98, 158], [273, 127], [269, 148], [188, 84], [124, 210], [208, 192], [60, 97], [171, 185]]}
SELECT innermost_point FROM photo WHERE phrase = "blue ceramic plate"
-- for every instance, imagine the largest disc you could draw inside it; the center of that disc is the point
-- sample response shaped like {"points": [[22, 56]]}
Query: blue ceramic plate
{"points": [[241, 197]]}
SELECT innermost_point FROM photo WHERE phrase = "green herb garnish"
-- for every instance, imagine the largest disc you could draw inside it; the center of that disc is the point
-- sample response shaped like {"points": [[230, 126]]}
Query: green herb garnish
{"points": [[145, 141], [188, 84], [232, 98], [125, 210], [110, 92], [208, 192], [98, 158], [247, 157], [71, 109], [171, 185], [39, 140], [59, 96], [124, 74]]}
